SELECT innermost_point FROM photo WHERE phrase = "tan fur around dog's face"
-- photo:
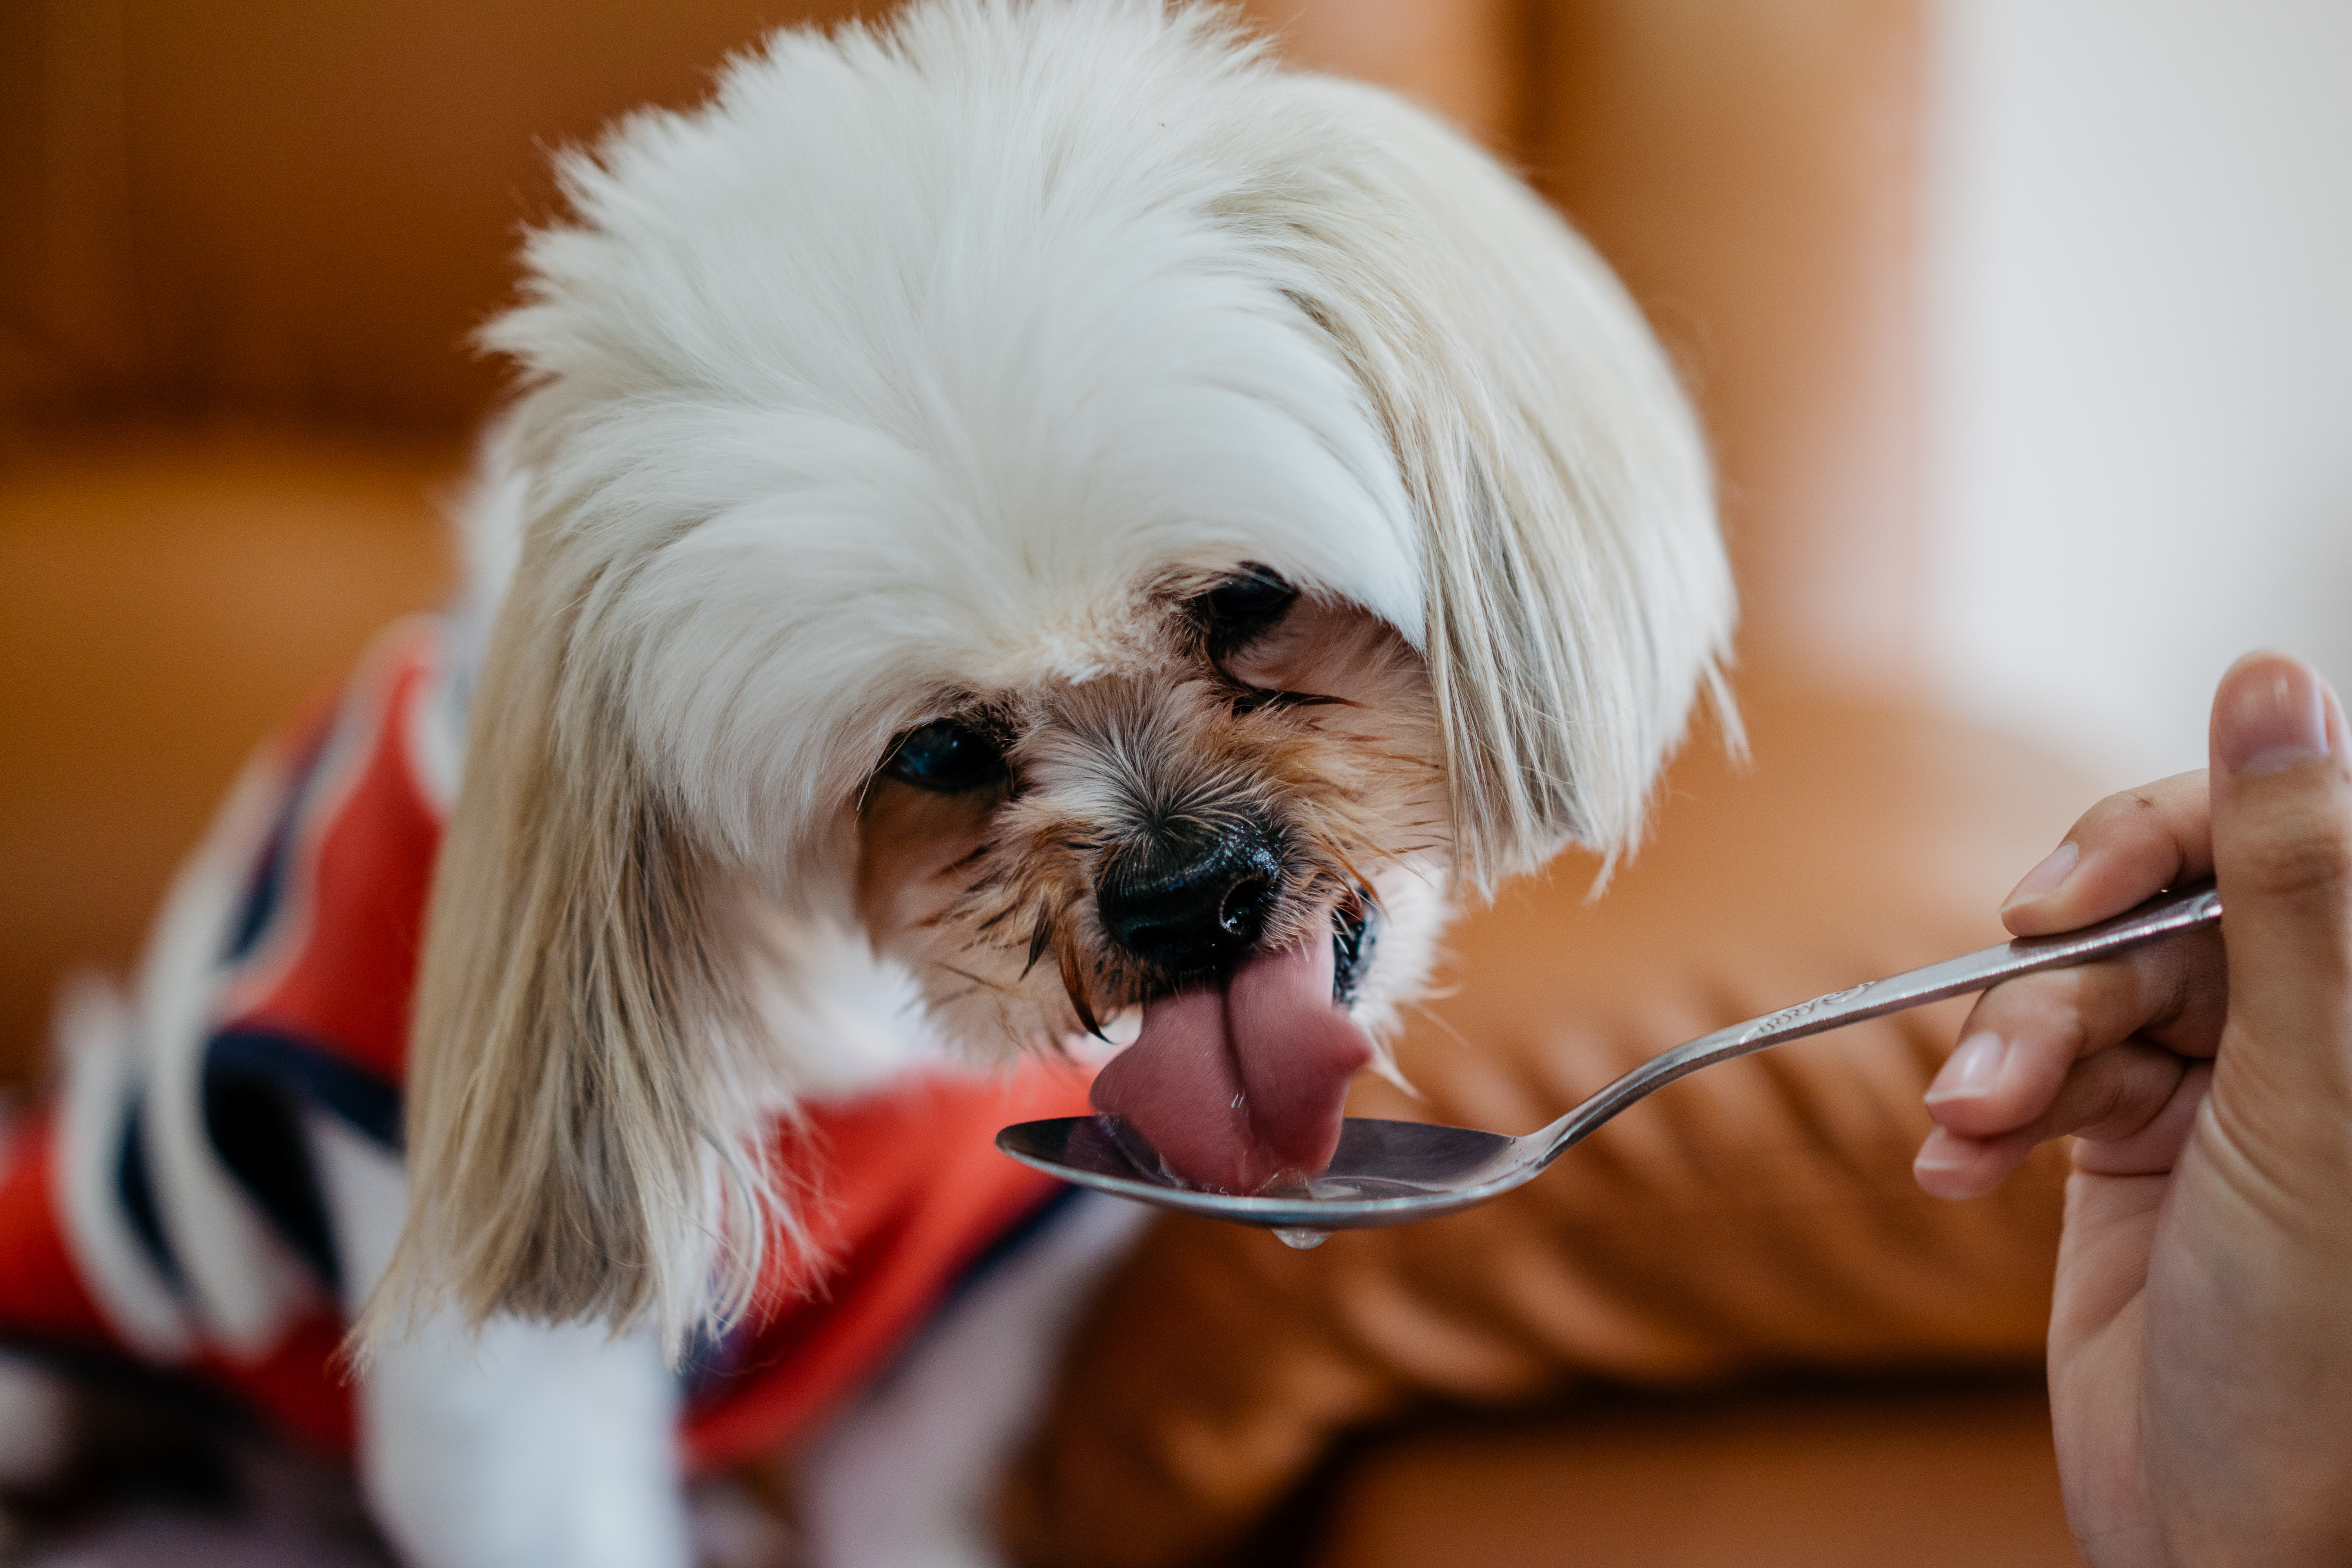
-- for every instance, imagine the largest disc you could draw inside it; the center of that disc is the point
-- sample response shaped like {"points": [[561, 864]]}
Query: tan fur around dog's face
{"points": [[989, 895]]}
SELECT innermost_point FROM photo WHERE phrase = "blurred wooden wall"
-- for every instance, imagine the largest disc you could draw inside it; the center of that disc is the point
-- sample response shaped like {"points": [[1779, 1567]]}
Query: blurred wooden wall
{"points": [[285, 216]]}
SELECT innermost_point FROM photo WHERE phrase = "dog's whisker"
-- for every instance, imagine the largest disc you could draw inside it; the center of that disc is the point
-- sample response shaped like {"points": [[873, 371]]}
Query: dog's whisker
{"points": [[1074, 986], [1039, 940], [982, 982], [1000, 917]]}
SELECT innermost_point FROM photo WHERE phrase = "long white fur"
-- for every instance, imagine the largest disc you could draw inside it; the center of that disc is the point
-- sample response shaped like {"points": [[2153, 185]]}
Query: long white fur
{"points": [[892, 375], [519, 1446]]}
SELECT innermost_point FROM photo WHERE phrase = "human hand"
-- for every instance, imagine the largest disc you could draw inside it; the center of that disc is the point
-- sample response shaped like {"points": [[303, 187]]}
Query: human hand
{"points": [[2200, 1338]]}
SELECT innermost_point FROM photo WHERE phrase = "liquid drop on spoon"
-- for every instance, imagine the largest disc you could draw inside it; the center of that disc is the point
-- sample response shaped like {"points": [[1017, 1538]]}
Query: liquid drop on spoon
{"points": [[1301, 1237]]}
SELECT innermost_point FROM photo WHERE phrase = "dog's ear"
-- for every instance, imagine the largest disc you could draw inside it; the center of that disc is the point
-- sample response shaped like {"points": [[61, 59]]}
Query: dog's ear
{"points": [[580, 1049], [1578, 598]]}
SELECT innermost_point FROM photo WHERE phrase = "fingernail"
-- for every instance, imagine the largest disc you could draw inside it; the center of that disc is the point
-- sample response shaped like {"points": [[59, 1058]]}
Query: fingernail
{"points": [[2270, 718], [1941, 1152], [1970, 1072], [2044, 878]]}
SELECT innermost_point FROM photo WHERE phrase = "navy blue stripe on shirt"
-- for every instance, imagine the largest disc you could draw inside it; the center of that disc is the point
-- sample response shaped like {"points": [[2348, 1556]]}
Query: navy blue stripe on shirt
{"points": [[266, 888], [256, 1083], [135, 1186], [314, 1075]]}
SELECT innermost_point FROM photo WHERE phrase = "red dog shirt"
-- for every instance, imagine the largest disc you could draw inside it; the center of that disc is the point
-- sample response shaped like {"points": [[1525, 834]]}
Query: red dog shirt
{"points": [[163, 1203]]}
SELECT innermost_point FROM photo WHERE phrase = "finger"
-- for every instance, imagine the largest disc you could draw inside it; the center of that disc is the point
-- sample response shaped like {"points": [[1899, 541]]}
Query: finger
{"points": [[2282, 842], [2112, 1097], [2128, 847], [2155, 1147], [2022, 1039], [1951, 1166]]}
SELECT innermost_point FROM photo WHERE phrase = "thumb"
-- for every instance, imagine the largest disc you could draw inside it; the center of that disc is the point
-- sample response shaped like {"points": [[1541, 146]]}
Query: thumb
{"points": [[2281, 799]]}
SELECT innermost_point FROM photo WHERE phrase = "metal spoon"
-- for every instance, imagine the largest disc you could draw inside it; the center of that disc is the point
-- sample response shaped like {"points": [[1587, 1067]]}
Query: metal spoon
{"points": [[1393, 1173]]}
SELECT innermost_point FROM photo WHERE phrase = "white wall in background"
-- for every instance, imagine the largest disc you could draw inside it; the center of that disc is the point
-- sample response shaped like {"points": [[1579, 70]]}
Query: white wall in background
{"points": [[2140, 247]]}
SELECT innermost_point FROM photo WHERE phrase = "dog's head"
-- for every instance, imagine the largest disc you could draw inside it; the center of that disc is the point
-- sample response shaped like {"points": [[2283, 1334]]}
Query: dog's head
{"points": [[1096, 519]]}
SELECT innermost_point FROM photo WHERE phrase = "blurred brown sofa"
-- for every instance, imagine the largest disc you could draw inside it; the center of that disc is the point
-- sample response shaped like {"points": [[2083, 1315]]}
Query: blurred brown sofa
{"points": [[247, 242]]}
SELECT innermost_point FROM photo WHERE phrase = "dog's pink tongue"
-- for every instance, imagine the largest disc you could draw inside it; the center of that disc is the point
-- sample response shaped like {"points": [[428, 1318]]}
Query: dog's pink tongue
{"points": [[1235, 1087]]}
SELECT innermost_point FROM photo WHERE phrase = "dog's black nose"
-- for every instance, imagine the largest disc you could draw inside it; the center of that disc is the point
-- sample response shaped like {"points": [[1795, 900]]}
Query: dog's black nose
{"points": [[1193, 898]]}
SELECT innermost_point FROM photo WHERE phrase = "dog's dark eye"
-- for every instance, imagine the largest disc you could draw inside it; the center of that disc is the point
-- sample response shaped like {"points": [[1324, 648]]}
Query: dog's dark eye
{"points": [[947, 757], [1244, 605]]}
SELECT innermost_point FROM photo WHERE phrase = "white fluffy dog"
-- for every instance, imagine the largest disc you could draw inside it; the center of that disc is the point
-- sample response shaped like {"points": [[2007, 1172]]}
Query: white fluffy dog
{"points": [[1027, 524]]}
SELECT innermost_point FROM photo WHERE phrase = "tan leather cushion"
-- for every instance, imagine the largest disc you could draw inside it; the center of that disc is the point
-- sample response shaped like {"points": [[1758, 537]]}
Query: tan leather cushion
{"points": [[1759, 1217], [1907, 1477]]}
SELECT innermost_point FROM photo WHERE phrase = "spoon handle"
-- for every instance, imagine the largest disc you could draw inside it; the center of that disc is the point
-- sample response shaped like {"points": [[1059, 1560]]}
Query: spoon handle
{"points": [[2191, 908]]}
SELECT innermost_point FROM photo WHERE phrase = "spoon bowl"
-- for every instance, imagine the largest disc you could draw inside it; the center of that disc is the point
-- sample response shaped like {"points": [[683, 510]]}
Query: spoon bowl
{"points": [[1383, 1173], [1395, 1172]]}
